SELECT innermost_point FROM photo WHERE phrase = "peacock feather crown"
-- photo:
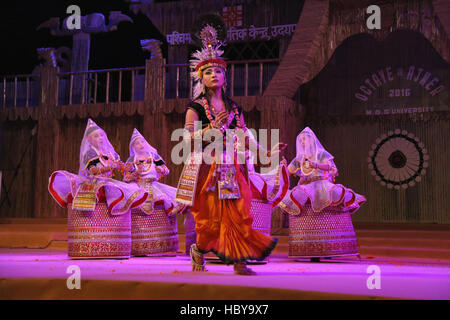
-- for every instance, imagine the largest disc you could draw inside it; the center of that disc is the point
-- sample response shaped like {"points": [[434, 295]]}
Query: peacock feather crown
{"points": [[210, 55]]}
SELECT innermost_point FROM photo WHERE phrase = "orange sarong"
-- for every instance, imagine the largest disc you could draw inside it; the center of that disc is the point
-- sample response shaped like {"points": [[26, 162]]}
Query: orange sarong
{"points": [[225, 226]]}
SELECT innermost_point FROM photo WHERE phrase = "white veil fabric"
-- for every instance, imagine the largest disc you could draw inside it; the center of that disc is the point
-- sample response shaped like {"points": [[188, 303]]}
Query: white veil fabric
{"points": [[144, 152], [88, 149], [271, 186], [160, 193], [66, 187], [147, 151], [318, 185], [308, 146]]}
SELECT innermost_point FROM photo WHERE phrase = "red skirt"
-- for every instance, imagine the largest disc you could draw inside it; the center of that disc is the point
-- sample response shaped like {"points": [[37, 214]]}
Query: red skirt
{"points": [[225, 226]]}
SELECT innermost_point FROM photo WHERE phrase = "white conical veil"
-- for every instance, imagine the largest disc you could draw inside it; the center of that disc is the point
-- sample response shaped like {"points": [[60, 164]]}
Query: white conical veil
{"points": [[148, 149], [312, 147], [104, 149]]}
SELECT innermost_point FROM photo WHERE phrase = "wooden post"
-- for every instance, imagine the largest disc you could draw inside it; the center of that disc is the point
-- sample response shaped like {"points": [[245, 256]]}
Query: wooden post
{"points": [[154, 94], [80, 62], [154, 76], [48, 95]]}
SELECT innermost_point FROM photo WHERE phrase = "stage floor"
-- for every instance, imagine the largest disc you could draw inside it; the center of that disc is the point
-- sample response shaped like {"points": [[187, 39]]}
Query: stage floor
{"points": [[42, 274]]}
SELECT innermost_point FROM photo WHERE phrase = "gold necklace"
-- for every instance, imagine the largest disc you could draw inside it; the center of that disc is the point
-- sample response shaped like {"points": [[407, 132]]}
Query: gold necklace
{"points": [[215, 112]]}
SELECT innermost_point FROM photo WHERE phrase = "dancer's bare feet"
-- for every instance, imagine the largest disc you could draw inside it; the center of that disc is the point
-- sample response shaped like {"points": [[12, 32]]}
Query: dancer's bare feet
{"points": [[242, 269], [197, 260]]}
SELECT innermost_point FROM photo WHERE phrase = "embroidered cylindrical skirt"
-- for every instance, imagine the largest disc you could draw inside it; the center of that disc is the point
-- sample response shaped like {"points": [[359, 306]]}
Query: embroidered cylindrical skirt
{"points": [[98, 234], [262, 216], [262, 220], [152, 234], [322, 234]]}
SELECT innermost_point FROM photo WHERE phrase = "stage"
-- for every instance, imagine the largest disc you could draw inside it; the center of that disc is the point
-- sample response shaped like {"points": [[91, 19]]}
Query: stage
{"points": [[42, 274]]}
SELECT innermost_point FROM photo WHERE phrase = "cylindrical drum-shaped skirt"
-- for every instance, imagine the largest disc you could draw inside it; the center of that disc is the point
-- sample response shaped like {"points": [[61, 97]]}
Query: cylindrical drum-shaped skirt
{"points": [[262, 219], [153, 234], [98, 234], [262, 216], [326, 233]]}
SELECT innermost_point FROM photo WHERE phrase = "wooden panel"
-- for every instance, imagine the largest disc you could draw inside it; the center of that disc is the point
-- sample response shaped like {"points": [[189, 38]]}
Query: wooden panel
{"points": [[350, 142], [17, 162]]}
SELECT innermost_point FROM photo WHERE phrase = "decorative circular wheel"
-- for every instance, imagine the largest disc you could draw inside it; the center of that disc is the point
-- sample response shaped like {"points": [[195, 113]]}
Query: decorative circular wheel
{"points": [[398, 159]]}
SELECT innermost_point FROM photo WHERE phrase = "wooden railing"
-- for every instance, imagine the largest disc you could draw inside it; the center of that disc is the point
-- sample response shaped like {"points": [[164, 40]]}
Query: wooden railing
{"points": [[94, 86], [240, 75], [12, 88], [154, 80]]}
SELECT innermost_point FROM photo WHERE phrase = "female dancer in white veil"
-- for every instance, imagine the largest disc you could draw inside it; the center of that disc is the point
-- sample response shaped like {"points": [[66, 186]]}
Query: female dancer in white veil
{"points": [[316, 169], [148, 168], [94, 184], [271, 186]]}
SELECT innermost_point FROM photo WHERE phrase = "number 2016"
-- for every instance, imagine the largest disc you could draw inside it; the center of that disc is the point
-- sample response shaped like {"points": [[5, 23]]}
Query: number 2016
{"points": [[399, 93]]}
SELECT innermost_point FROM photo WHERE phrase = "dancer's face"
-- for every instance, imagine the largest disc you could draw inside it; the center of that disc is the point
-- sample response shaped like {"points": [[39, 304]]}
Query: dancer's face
{"points": [[214, 77], [96, 138], [307, 142], [139, 146]]}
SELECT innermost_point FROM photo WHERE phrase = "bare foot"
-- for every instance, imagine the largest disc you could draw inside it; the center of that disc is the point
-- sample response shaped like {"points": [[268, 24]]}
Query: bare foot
{"points": [[241, 269], [197, 260]]}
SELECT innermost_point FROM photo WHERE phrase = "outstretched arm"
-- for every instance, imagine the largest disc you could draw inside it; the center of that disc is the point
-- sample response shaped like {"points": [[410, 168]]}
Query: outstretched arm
{"points": [[252, 144], [328, 166]]}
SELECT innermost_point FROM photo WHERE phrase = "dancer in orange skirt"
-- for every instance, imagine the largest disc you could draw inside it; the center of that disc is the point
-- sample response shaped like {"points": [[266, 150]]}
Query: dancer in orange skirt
{"points": [[219, 193]]}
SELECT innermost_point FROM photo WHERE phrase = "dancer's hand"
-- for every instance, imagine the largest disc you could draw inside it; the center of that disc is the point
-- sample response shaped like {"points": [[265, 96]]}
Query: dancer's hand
{"points": [[310, 164], [283, 161], [162, 170], [131, 176], [117, 165], [280, 146], [275, 150], [128, 166], [220, 119], [99, 170], [140, 168]]}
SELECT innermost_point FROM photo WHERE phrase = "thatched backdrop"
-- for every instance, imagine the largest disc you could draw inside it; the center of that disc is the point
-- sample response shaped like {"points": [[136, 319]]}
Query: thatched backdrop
{"points": [[350, 141]]}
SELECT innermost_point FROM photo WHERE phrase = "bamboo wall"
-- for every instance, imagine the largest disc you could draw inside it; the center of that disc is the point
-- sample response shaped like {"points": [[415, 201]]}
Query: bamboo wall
{"points": [[17, 162], [347, 54], [59, 130], [350, 140]]}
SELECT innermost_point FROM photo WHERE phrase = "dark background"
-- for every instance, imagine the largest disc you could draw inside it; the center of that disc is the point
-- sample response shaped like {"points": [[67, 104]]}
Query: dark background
{"points": [[20, 19]]}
